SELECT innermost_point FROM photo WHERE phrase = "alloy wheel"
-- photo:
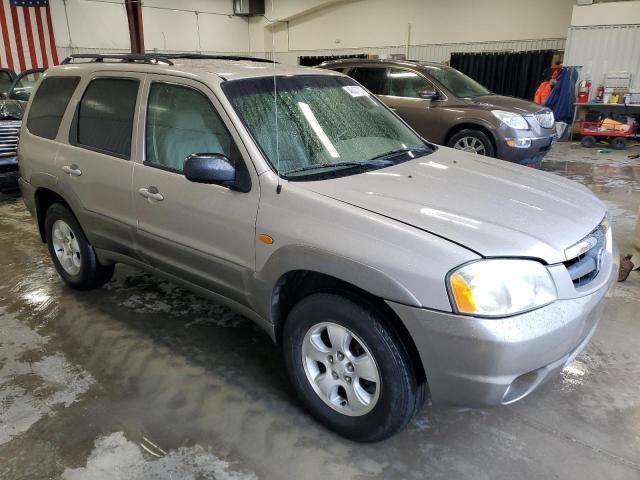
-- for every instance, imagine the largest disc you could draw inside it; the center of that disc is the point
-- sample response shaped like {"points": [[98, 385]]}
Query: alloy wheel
{"points": [[66, 247], [470, 144], [341, 369]]}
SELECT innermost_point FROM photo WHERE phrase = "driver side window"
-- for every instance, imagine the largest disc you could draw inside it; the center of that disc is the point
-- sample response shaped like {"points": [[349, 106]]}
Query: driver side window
{"points": [[181, 121], [405, 83]]}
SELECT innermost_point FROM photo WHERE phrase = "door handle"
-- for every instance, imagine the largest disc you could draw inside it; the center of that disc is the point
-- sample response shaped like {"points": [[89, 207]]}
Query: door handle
{"points": [[151, 193], [72, 170]]}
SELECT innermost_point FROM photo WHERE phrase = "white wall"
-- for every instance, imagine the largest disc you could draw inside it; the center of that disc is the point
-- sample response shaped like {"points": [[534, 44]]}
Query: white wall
{"points": [[605, 38], [437, 27], [169, 25]]}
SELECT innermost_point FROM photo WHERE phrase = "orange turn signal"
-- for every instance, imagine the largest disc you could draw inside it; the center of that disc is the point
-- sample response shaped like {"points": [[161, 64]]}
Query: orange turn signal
{"points": [[462, 294], [264, 238]]}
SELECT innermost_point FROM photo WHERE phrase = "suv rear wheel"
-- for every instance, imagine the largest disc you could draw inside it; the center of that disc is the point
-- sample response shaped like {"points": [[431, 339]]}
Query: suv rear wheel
{"points": [[349, 368], [473, 141], [71, 252]]}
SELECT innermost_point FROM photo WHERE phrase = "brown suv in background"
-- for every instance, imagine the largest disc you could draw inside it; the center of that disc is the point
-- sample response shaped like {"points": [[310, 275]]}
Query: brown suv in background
{"points": [[449, 108]]}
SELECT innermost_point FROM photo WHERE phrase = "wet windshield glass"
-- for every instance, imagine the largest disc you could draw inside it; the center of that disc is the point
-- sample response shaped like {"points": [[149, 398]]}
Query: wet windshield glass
{"points": [[457, 82], [324, 123]]}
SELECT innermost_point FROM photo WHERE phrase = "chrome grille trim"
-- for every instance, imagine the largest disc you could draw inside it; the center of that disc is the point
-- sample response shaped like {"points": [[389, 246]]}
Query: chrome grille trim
{"points": [[9, 135], [545, 118], [584, 267]]}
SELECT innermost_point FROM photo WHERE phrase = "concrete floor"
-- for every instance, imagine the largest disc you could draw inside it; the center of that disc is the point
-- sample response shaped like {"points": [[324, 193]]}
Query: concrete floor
{"points": [[141, 379]]}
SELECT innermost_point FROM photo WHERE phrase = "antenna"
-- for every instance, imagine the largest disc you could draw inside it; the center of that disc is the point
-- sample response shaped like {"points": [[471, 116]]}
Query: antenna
{"points": [[275, 99]]}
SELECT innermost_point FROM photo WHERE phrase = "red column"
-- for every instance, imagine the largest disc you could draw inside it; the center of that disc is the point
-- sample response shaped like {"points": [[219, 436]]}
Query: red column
{"points": [[134, 17]]}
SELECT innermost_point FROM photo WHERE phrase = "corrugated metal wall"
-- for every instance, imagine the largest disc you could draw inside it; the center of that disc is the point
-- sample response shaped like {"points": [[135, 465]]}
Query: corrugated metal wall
{"points": [[431, 52], [601, 49]]}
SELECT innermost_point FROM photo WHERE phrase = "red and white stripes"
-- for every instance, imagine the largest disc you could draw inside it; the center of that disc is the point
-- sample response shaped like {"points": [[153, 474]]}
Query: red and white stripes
{"points": [[27, 37]]}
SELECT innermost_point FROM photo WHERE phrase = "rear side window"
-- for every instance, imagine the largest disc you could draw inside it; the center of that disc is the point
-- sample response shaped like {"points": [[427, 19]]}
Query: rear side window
{"points": [[374, 79], [48, 106], [105, 116]]}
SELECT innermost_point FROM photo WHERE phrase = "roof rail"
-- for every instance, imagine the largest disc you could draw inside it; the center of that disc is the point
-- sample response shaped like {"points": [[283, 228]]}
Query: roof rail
{"points": [[124, 58], [156, 58], [203, 56]]}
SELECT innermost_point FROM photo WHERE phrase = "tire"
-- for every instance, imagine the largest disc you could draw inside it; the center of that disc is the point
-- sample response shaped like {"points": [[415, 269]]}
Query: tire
{"points": [[474, 141], [81, 269], [395, 397], [618, 143], [588, 141]]}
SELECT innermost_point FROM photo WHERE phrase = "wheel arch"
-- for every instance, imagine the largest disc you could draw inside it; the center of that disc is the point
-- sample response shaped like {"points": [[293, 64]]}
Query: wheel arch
{"points": [[472, 125], [294, 285], [44, 198]]}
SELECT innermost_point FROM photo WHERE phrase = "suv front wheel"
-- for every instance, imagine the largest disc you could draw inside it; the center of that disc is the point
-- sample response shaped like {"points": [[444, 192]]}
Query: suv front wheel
{"points": [[473, 141], [72, 254], [349, 368]]}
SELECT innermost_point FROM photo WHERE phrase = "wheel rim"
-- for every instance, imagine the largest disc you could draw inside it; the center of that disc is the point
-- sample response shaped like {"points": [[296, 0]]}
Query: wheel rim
{"points": [[65, 244], [340, 368], [470, 144]]}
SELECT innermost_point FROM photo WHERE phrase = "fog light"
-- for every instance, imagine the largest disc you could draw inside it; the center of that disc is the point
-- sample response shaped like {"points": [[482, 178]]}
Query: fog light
{"points": [[519, 142]]}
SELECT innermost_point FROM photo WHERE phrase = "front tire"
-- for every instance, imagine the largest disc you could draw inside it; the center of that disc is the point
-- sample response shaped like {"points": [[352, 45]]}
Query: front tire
{"points": [[72, 254], [472, 141], [350, 369]]}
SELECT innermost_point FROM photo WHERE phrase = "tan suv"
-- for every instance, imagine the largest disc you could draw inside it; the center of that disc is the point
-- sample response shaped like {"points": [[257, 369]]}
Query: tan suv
{"points": [[385, 267]]}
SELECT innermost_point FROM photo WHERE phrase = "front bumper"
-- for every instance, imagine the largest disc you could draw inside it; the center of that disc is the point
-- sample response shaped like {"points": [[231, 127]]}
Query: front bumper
{"points": [[477, 362], [9, 173]]}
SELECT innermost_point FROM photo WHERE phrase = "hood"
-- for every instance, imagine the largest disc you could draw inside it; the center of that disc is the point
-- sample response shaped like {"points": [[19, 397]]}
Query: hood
{"points": [[11, 109], [500, 102], [489, 206]]}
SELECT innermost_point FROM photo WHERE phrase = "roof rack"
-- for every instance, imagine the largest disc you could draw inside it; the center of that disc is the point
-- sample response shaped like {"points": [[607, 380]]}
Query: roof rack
{"points": [[124, 58], [156, 58]]}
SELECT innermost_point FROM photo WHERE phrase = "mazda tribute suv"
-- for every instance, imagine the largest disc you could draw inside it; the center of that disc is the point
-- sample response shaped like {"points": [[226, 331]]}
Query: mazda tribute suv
{"points": [[386, 268]]}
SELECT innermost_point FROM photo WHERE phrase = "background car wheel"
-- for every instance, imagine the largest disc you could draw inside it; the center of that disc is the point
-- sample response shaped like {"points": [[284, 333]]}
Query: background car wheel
{"points": [[349, 368], [618, 143], [588, 141], [473, 141], [72, 255]]}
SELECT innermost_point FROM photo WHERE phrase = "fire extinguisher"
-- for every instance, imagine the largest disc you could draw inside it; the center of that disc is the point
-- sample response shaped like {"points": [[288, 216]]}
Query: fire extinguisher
{"points": [[583, 91]]}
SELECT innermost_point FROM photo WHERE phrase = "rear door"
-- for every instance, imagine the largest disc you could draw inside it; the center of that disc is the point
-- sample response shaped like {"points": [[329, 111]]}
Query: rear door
{"points": [[96, 165], [403, 95], [199, 232]]}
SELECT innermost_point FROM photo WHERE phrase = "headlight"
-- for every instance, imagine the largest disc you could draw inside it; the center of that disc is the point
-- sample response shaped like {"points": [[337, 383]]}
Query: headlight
{"points": [[513, 120], [500, 287]]}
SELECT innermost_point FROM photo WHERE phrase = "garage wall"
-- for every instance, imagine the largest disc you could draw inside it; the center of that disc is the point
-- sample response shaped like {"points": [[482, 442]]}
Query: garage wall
{"points": [[433, 28], [189, 25], [605, 38]]}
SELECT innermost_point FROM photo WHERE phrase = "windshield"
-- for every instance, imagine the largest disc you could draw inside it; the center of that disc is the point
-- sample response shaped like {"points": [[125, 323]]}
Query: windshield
{"points": [[24, 84], [325, 124], [457, 82]]}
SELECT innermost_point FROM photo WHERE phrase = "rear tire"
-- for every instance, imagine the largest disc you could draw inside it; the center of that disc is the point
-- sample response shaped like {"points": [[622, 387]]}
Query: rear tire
{"points": [[72, 254], [588, 141], [618, 143], [370, 383], [473, 141]]}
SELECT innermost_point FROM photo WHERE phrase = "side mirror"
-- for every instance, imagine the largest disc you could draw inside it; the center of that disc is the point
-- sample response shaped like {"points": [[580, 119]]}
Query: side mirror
{"points": [[210, 168], [428, 94]]}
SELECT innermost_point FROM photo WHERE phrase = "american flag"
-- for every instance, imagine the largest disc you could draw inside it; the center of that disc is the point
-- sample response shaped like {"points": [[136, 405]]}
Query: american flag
{"points": [[27, 35]]}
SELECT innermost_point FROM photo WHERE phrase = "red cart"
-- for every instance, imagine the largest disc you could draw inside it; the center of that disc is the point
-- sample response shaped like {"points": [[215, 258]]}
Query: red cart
{"points": [[617, 134]]}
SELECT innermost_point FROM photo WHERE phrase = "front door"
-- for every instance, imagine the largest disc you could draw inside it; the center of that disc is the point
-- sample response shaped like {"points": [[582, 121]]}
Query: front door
{"points": [[403, 96], [202, 233]]}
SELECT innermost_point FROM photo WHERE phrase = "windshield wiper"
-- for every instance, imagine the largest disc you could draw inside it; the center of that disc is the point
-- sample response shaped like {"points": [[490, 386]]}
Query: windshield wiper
{"points": [[374, 162], [393, 153]]}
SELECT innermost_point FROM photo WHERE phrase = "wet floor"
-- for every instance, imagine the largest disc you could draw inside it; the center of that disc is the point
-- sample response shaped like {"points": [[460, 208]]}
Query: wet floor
{"points": [[142, 379]]}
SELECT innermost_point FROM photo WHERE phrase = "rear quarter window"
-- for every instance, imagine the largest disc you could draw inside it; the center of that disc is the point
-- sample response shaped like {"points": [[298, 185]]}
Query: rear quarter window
{"points": [[105, 116], [48, 106]]}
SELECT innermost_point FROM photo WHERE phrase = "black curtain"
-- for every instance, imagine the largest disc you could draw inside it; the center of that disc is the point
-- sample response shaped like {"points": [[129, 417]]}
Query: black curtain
{"points": [[517, 74], [312, 61]]}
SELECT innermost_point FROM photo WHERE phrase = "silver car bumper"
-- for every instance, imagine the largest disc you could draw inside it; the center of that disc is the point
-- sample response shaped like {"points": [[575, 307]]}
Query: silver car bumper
{"points": [[479, 362]]}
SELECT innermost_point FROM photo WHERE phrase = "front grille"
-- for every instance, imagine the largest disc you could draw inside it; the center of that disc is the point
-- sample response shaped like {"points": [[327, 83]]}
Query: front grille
{"points": [[9, 132], [545, 118], [585, 267]]}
